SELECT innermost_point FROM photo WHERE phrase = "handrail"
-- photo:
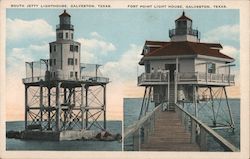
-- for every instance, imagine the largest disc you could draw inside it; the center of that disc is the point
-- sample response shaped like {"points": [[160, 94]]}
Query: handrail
{"points": [[223, 142], [205, 77], [153, 77], [133, 128], [82, 78]]}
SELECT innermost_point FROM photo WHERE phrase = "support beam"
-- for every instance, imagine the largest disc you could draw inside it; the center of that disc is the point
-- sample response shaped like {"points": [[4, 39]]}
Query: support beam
{"points": [[86, 110], [26, 107], [143, 101], [41, 106], [148, 100], [104, 107], [65, 95], [49, 110], [82, 106], [195, 91], [212, 99], [58, 105], [229, 108]]}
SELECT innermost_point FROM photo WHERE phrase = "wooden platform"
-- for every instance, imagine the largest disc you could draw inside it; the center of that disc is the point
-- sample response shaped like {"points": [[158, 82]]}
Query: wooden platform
{"points": [[169, 135]]}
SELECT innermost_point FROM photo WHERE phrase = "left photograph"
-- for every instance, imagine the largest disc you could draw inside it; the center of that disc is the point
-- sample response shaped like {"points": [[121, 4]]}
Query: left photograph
{"points": [[58, 95]]}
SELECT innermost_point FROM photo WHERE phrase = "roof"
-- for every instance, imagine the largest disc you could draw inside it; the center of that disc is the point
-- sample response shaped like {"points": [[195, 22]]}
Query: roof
{"points": [[155, 43], [188, 48], [183, 17], [64, 14]]}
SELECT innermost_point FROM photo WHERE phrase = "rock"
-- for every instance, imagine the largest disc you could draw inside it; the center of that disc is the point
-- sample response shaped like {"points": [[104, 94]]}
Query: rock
{"points": [[106, 136], [13, 134]]}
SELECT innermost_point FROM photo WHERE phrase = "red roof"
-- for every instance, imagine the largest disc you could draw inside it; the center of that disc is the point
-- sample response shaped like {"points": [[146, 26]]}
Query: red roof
{"points": [[64, 14], [155, 43], [183, 17], [188, 48]]}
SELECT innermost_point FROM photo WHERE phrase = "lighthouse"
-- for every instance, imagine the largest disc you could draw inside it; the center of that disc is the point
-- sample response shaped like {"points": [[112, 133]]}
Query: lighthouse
{"points": [[187, 72], [60, 95], [65, 53]]}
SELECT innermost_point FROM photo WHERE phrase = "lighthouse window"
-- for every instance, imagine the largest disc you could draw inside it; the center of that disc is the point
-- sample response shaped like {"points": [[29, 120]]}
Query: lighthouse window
{"points": [[50, 62], [76, 48], [70, 61], [50, 49], [60, 35], [211, 68], [147, 68], [71, 74], [71, 48]]}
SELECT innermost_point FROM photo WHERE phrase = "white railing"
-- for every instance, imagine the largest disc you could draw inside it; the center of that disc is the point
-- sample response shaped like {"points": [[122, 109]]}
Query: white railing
{"points": [[205, 77], [153, 77], [199, 132], [67, 78]]}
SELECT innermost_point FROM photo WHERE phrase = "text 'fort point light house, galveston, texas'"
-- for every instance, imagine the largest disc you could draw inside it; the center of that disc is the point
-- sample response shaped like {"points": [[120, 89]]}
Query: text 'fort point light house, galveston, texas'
{"points": [[61, 93], [182, 77]]}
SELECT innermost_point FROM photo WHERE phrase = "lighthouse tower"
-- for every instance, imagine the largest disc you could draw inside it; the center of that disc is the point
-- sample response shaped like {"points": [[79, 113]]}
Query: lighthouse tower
{"points": [[183, 30], [186, 71], [60, 95], [65, 53]]}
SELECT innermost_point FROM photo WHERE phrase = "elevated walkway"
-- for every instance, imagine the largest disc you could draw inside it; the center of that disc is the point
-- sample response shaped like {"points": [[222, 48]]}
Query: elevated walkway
{"points": [[175, 130], [169, 135]]}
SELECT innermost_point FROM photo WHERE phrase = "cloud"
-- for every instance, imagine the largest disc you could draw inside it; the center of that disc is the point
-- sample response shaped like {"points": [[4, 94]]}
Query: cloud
{"points": [[19, 29], [17, 57], [225, 32], [96, 35], [126, 67], [94, 47], [231, 51], [122, 74]]}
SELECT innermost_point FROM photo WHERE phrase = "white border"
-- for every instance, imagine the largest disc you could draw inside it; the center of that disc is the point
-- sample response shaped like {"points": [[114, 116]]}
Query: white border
{"points": [[243, 6]]}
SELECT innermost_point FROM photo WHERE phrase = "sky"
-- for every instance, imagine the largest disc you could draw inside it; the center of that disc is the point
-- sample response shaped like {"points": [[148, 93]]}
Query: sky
{"points": [[111, 37]]}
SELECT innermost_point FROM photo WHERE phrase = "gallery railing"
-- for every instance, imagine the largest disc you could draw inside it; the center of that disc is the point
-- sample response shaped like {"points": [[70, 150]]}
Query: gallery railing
{"points": [[205, 77], [67, 78], [185, 31], [155, 77]]}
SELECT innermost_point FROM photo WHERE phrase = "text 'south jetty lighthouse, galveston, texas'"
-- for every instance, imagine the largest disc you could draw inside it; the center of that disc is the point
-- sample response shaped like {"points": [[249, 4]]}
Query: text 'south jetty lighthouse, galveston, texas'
{"points": [[181, 74], [64, 98]]}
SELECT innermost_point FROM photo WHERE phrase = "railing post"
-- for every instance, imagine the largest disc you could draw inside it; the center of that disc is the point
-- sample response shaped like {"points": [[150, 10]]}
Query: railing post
{"points": [[183, 118], [146, 130], [203, 139], [193, 131], [136, 140]]}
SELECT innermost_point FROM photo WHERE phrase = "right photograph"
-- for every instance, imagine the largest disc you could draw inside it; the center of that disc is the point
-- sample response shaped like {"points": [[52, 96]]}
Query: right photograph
{"points": [[189, 85]]}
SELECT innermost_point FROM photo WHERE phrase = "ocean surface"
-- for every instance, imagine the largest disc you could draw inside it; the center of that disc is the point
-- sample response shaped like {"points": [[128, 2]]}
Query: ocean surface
{"points": [[79, 145], [132, 109]]}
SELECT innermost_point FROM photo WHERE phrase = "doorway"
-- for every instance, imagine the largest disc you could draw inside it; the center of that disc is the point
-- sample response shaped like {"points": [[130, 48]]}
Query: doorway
{"points": [[171, 68]]}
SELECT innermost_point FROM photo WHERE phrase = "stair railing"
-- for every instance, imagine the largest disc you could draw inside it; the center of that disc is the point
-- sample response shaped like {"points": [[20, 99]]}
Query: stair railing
{"points": [[139, 132], [200, 131]]}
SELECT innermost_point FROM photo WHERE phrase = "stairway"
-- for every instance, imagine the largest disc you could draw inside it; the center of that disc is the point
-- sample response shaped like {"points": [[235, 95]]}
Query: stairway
{"points": [[172, 93], [169, 135]]}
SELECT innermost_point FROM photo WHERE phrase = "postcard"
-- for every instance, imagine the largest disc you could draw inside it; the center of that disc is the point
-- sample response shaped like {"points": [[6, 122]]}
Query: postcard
{"points": [[127, 79]]}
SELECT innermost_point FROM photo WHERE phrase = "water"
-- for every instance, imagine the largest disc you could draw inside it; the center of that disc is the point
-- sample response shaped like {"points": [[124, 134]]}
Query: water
{"points": [[132, 109], [79, 145]]}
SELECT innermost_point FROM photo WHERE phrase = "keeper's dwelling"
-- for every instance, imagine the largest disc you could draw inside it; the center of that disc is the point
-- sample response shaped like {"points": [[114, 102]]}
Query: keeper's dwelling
{"points": [[183, 64]]}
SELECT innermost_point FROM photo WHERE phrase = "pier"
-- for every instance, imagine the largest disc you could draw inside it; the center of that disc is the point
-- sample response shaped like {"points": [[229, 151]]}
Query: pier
{"points": [[182, 132]]}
